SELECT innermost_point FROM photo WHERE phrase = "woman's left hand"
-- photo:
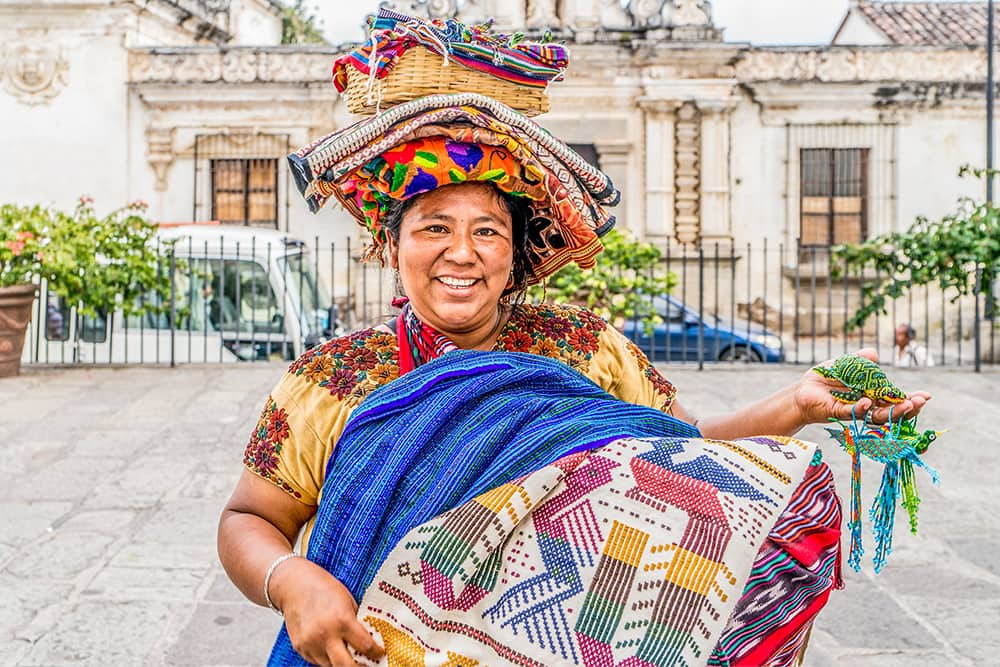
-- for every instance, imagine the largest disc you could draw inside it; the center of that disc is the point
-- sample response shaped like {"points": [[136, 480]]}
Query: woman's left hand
{"points": [[816, 404]]}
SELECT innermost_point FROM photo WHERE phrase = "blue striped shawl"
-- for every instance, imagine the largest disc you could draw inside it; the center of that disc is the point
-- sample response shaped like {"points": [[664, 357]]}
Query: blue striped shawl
{"points": [[450, 430]]}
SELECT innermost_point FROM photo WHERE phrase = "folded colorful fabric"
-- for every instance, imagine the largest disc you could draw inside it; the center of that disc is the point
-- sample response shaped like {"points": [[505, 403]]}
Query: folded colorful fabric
{"points": [[633, 553], [443, 139], [497, 507], [502, 56]]}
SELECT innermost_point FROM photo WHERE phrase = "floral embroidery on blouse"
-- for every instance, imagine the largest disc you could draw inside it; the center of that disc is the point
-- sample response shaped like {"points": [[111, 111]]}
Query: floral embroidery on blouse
{"points": [[347, 369], [352, 366], [268, 436], [660, 383], [568, 334]]}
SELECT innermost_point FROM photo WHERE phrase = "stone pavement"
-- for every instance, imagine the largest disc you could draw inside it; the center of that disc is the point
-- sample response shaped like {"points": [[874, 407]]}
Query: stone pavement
{"points": [[114, 478]]}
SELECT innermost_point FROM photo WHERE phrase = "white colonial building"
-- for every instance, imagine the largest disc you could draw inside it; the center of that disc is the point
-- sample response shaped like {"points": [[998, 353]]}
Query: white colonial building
{"points": [[192, 105]]}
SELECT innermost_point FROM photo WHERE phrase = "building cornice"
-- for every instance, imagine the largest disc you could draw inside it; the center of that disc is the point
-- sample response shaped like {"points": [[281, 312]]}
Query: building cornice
{"points": [[846, 64], [286, 65]]}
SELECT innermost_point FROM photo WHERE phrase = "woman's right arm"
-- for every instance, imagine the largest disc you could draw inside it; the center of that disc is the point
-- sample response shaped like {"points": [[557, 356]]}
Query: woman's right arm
{"points": [[259, 524]]}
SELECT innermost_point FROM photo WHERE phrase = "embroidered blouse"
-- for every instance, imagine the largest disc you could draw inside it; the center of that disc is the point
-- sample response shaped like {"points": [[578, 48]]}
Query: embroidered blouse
{"points": [[306, 412]]}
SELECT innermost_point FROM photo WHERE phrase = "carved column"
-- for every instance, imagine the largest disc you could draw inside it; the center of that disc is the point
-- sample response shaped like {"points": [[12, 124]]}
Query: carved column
{"points": [[614, 157], [659, 185], [687, 173], [160, 153], [715, 158]]}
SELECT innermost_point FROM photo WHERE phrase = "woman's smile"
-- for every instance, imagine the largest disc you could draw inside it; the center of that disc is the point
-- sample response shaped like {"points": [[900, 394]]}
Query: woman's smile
{"points": [[458, 283]]}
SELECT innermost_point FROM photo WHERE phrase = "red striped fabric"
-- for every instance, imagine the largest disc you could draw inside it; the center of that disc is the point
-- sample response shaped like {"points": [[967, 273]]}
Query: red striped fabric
{"points": [[791, 579]]}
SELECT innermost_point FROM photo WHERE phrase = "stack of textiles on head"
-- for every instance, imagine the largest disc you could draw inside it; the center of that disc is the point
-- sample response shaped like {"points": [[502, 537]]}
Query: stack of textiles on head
{"points": [[503, 66], [421, 145]]}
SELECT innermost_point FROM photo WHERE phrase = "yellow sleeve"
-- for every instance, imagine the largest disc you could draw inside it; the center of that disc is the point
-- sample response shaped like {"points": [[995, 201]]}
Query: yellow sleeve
{"points": [[286, 447], [622, 369], [306, 413]]}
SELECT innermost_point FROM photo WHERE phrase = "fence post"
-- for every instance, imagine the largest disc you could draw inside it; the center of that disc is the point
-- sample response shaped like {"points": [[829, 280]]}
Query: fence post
{"points": [[173, 303], [977, 343], [701, 306]]}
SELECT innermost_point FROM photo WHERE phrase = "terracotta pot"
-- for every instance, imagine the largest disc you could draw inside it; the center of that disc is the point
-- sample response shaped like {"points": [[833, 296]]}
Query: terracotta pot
{"points": [[15, 314]]}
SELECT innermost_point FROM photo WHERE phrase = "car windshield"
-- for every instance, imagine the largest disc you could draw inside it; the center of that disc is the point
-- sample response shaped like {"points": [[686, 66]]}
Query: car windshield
{"points": [[300, 277], [673, 311]]}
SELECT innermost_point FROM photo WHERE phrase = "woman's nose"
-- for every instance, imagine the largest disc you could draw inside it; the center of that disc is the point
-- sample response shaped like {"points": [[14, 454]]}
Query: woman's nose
{"points": [[461, 249]]}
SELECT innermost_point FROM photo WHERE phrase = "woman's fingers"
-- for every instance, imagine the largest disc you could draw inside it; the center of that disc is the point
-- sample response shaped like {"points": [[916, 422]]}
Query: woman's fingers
{"points": [[908, 408], [851, 410], [338, 655], [362, 641]]}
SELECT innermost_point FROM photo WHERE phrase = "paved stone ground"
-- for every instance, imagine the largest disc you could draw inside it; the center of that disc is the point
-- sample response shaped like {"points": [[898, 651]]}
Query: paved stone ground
{"points": [[114, 478]]}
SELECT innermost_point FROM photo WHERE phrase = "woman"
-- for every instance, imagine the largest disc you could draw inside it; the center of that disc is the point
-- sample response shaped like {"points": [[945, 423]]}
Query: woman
{"points": [[465, 253]]}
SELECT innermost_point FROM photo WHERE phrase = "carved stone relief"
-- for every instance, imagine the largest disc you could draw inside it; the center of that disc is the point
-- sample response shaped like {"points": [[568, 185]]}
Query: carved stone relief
{"points": [[34, 73], [687, 173], [160, 153], [243, 66], [542, 14], [429, 8], [862, 64], [245, 144], [692, 12], [647, 13]]}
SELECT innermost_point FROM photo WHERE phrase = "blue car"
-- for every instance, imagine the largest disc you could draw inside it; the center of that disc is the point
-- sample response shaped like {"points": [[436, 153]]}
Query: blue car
{"points": [[676, 338]]}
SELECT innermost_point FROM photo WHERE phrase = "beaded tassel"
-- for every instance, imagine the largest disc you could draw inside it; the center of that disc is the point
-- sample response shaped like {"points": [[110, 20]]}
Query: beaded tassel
{"points": [[883, 514], [898, 446], [911, 499]]}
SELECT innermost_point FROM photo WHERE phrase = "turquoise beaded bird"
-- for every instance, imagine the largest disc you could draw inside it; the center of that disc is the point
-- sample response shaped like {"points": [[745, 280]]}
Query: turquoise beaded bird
{"points": [[861, 377], [899, 446]]}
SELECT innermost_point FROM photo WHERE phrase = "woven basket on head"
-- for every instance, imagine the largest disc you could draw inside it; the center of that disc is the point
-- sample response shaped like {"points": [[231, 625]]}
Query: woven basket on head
{"points": [[420, 72]]}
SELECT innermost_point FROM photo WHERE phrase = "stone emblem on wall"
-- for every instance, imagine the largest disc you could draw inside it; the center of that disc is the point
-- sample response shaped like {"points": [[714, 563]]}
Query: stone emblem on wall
{"points": [[34, 73]]}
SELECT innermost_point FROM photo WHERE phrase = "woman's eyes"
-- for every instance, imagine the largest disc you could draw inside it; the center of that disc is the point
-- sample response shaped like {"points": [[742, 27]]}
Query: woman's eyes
{"points": [[441, 229]]}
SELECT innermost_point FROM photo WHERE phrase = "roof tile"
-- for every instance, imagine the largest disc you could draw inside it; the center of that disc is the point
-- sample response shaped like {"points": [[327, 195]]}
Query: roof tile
{"points": [[929, 23]]}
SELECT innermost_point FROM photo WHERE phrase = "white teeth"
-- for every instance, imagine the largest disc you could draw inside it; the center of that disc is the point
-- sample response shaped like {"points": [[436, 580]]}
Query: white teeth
{"points": [[455, 282]]}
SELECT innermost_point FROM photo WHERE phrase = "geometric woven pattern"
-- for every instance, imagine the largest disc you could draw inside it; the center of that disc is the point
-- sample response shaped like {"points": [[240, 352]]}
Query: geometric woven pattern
{"points": [[634, 553]]}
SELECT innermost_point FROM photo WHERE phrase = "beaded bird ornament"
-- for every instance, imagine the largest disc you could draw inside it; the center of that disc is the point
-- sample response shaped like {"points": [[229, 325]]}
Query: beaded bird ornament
{"points": [[897, 445]]}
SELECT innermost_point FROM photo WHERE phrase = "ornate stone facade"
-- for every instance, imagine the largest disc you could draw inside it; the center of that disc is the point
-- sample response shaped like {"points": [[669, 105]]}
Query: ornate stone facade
{"points": [[676, 114]]}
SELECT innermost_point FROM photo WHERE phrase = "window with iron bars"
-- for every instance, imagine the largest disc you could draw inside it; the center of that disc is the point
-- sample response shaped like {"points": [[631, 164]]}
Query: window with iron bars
{"points": [[245, 191], [833, 204]]}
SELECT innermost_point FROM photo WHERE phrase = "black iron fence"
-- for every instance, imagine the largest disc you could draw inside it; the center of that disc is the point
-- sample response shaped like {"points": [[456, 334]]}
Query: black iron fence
{"points": [[245, 295]]}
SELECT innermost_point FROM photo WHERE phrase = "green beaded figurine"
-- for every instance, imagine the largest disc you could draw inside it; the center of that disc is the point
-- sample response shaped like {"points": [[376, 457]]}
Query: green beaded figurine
{"points": [[861, 377]]}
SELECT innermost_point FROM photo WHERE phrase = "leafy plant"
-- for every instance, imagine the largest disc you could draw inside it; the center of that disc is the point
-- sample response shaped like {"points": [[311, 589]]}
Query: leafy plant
{"points": [[619, 286], [97, 263], [299, 25], [21, 232], [951, 252]]}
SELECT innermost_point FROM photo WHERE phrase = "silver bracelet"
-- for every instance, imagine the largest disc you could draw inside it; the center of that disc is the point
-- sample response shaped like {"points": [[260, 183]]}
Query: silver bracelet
{"points": [[267, 579]]}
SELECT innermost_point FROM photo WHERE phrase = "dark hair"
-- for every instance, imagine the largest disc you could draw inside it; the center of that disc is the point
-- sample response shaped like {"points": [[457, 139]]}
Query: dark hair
{"points": [[519, 210]]}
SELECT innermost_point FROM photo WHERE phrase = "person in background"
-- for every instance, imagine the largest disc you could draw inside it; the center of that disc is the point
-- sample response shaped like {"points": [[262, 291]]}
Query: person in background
{"points": [[908, 351]]}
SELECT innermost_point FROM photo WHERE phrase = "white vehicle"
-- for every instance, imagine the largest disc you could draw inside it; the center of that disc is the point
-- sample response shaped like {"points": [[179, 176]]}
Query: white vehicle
{"points": [[237, 293]]}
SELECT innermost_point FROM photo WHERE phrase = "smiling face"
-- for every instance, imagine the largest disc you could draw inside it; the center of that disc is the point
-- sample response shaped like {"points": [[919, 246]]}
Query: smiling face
{"points": [[454, 255]]}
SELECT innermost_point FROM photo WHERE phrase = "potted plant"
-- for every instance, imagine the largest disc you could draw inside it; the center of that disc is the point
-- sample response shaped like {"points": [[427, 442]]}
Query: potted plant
{"points": [[96, 263]]}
